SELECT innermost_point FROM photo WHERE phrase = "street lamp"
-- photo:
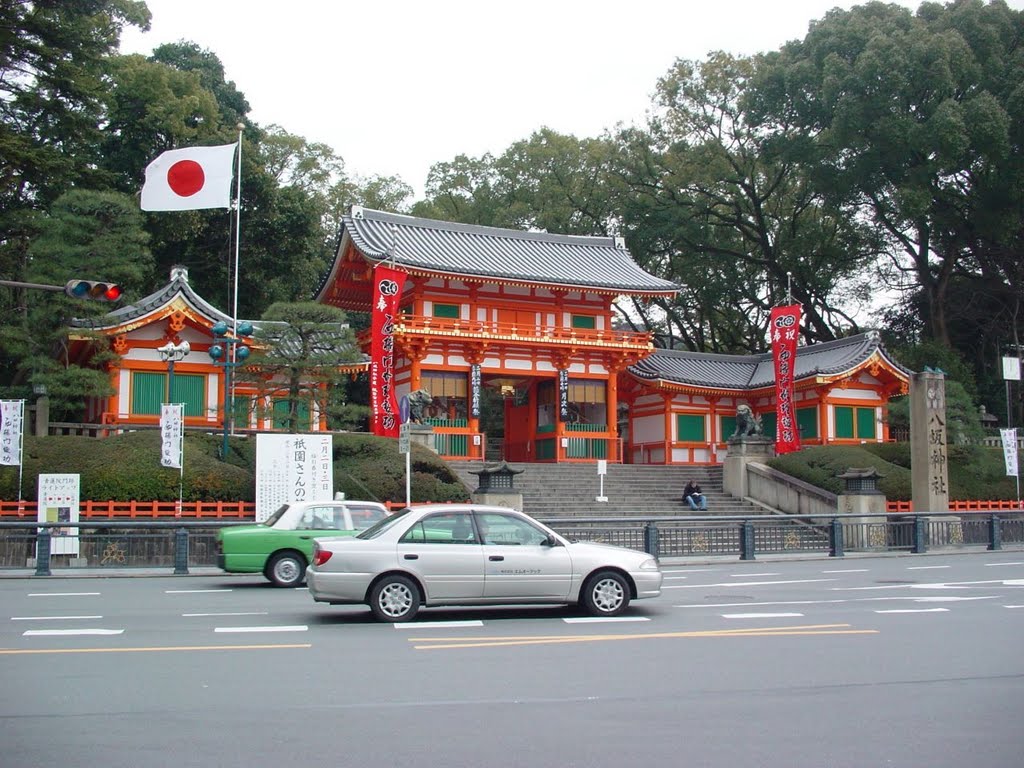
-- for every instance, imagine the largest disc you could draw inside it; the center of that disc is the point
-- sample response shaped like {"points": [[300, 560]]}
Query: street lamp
{"points": [[171, 353], [229, 352]]}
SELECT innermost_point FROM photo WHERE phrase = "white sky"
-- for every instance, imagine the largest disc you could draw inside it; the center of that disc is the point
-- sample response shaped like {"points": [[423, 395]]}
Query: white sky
{"points": [[394, 86]]}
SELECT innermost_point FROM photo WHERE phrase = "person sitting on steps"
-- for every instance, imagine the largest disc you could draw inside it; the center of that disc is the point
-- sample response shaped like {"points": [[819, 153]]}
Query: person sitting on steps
{"points": [[694, 496]]}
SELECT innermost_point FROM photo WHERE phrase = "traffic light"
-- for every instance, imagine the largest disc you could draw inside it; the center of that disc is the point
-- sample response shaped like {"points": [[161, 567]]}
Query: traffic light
{"points": [[95, 290]]}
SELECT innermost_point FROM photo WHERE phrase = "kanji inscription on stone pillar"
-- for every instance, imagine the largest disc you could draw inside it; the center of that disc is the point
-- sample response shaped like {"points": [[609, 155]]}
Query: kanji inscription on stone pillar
{"points": [[928, 471]]}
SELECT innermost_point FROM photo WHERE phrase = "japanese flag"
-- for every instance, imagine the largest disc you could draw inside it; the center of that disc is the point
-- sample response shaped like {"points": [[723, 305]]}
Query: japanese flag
{"points": [[189, 179]]}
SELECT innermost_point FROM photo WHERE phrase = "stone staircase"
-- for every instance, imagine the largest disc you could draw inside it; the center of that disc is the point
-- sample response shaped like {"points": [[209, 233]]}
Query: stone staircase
{"points": [[569, 490]]}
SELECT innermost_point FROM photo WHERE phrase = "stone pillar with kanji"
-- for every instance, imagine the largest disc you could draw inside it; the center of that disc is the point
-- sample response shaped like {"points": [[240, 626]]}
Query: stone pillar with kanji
{"points": [[928, 471]]}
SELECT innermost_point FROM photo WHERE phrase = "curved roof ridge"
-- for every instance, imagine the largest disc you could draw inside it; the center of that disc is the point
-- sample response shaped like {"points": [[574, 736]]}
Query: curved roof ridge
{"points": [[469, 250]]}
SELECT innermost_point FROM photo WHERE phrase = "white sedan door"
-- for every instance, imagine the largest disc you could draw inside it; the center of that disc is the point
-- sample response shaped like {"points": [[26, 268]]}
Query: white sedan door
{"points": [[519, 562], [444, 552]]}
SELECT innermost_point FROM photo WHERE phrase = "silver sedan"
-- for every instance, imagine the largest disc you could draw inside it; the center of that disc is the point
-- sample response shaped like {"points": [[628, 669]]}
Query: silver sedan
{"points": [[467, 554]]}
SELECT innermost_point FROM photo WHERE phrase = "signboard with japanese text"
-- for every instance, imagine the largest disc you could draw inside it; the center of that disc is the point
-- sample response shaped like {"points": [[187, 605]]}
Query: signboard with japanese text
{"points": [[292, 468], [784, 329], [474, 390], [172, 431], [58, 497], [1009, 438], [12, 423], [563, 394]]}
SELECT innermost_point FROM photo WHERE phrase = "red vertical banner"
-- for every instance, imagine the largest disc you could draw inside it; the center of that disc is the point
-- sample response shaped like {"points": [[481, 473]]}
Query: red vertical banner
{"points": [[387, 291], [785, 327]]}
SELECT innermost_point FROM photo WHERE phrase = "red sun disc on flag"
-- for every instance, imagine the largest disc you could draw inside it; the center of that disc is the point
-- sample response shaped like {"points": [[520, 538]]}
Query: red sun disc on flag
{"points": [[186, 177]]}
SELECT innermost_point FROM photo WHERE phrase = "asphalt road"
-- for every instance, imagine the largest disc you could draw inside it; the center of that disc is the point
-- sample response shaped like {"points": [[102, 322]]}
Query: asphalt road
{"points": [[853, 663]]}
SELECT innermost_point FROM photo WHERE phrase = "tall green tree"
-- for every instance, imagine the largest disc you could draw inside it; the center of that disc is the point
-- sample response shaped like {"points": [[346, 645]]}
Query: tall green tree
{"points": [[304, 345], [708, 201], [917, 121], [88, 235]]}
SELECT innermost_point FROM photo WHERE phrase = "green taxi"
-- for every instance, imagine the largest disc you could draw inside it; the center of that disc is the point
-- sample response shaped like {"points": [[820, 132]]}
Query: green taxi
{"points": [[282, 545]]}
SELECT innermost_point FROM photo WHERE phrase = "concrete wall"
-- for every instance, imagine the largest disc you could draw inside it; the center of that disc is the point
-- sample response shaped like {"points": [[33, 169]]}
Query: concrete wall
{"points": [[788, 494]]}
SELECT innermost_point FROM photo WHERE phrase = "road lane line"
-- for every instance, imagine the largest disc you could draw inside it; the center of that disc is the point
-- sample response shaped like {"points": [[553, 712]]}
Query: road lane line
{"points": [[996, 565], [153, 649], [226, 613], [437, 624], [761, 603], [603, 619], [745, 583], [55, 618], [761, 615], [927, 567], [915, 610], [62, 594], [436, 643], [64, 632], [748, 575], [292, 628], [193, 591], [848, 570]]}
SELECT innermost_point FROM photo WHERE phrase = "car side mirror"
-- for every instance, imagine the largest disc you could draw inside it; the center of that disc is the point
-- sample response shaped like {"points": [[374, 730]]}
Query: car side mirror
{"points": [[551, 541]]}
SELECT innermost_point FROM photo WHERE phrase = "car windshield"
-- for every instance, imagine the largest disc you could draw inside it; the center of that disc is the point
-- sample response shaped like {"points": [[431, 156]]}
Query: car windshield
{"points": [[378, 528], [277, 515]]}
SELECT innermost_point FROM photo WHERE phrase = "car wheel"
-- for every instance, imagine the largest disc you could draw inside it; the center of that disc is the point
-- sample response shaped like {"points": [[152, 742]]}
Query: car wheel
{"points": [[395, 598], [286, 569], [606, 593]]}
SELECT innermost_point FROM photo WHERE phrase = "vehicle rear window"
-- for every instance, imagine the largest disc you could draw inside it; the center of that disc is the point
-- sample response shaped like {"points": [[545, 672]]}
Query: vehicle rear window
{"points": [[364, 517], [378, 528]]}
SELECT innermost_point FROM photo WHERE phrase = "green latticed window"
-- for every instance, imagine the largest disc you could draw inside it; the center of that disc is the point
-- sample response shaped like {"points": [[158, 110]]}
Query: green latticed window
{"points": [[854, 423], [690, 428], [586, 322], [450, 311], [149, 392], [807, 421], [281, 415]]}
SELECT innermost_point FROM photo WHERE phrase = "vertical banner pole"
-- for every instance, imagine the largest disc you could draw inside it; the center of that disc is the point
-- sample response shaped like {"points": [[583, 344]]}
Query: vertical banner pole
{"points": [[229, 407]]}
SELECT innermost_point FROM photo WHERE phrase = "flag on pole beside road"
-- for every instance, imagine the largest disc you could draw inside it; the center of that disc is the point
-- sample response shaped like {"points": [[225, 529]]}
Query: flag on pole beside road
{"points": [[190, 179]]}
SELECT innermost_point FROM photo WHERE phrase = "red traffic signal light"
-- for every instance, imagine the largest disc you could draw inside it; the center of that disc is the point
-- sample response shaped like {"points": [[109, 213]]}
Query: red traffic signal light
{"points": [[95, 290]]}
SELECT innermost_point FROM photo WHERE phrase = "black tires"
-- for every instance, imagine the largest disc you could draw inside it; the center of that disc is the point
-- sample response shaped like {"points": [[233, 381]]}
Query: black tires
{"points": [[395, 598], [606, 593], [286, 569]]}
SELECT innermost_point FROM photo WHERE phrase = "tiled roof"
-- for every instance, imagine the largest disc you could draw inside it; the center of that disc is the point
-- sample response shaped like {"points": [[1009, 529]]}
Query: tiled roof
{"points": [[718, 371], [502, 254]]}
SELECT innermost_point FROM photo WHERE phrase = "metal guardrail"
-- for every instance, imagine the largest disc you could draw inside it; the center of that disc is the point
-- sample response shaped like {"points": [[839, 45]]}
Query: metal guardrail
{"points": [[179, 545]]}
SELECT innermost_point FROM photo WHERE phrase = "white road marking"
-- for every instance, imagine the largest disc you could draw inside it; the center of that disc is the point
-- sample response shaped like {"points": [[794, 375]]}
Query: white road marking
{"points": [[1013, 606], [849, 570], [62, 594], [747, 605], [192, 591], [602, 620], [62, 632], [916, 610], [996, 565], [293, 628], [935, 585], [748, 575], [55, 618], [745, 584], [761, 615], [226, 613], [926, 567], [437, 624]]}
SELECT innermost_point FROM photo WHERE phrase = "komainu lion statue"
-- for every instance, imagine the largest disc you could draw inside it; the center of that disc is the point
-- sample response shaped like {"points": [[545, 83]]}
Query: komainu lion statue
{"points": [[418, 402], [747, 424]]}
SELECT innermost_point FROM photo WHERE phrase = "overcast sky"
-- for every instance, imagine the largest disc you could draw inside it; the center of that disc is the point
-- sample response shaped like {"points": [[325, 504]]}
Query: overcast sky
{"points": [[394, 86]]}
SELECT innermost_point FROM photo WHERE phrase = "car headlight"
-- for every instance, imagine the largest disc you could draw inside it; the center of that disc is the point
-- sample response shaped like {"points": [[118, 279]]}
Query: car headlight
{"points": [[649, 565]]}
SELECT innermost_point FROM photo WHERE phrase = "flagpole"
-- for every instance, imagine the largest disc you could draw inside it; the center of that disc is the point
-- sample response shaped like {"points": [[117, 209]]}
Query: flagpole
{"points": [[229, 399]]}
